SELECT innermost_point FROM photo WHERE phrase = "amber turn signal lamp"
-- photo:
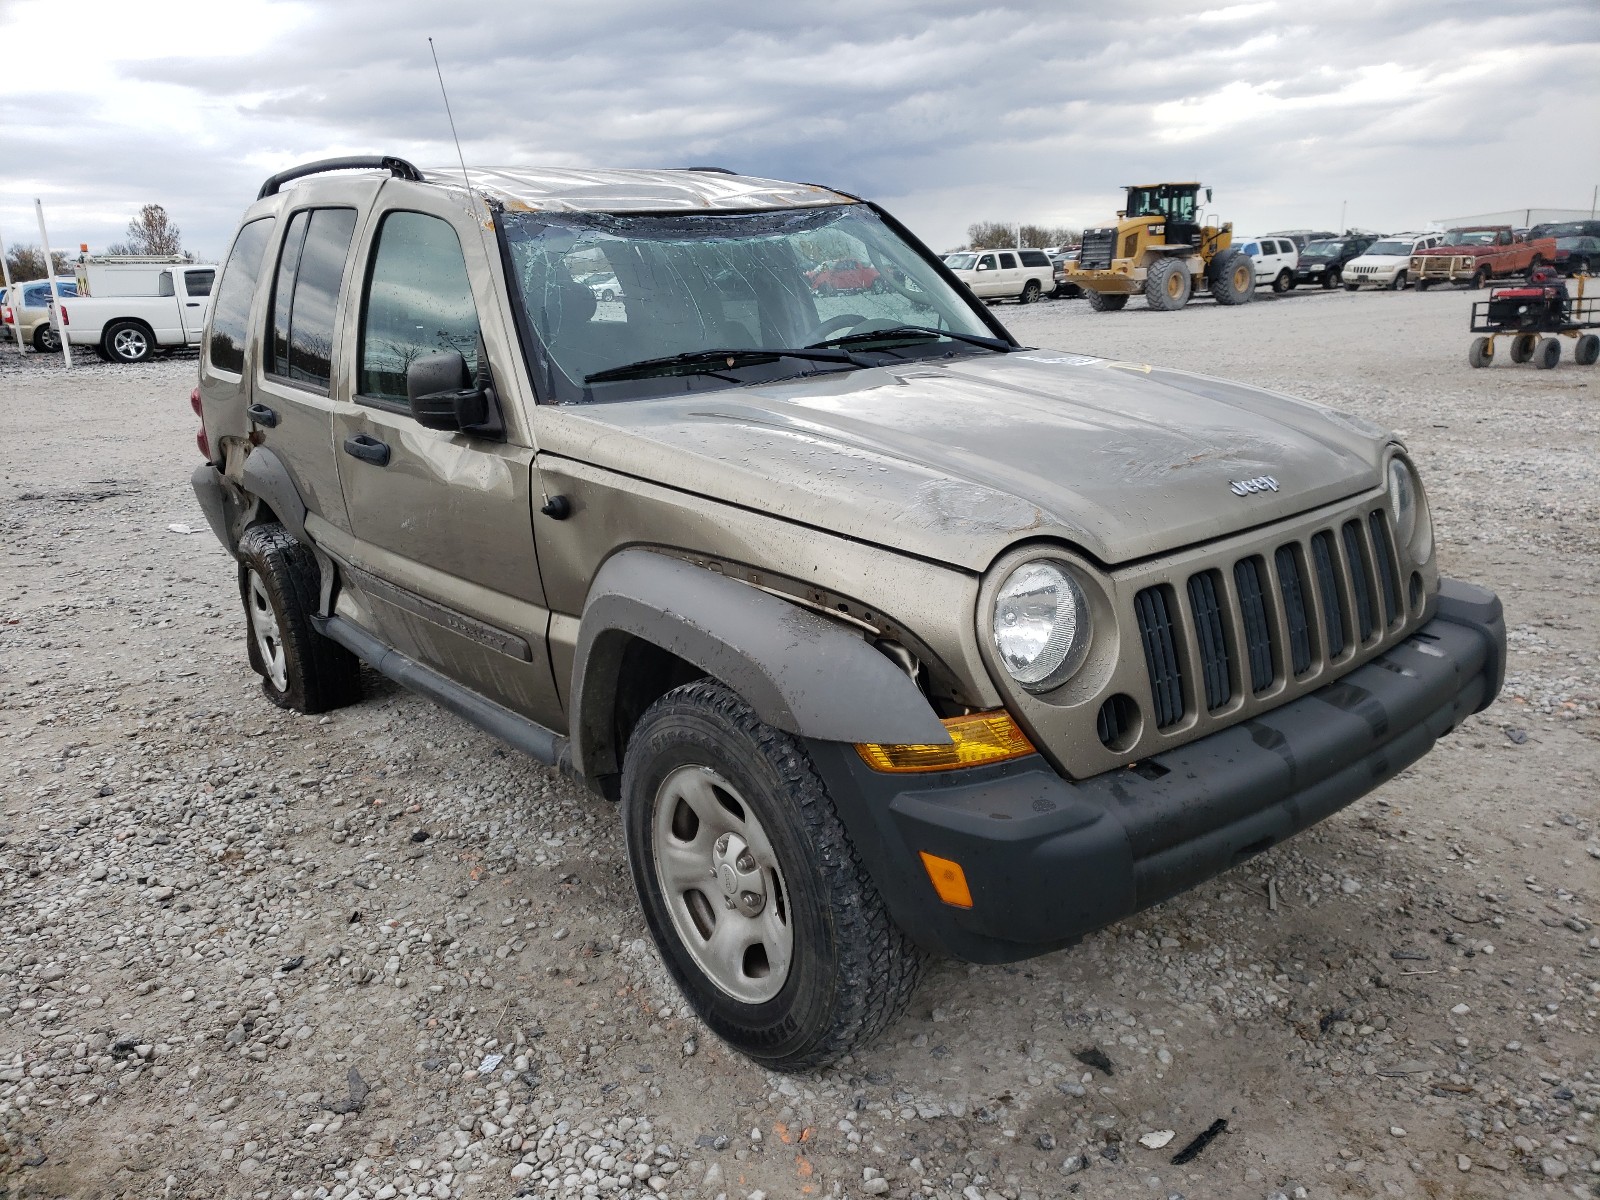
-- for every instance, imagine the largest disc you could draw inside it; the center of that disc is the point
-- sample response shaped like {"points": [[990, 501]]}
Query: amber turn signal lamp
{"points": [[976, 739], [949, 880]]}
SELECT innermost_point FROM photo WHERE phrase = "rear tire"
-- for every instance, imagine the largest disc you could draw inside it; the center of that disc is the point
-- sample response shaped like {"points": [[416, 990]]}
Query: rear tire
{"points": [[299, 668], [1480, 279], [1424, 284], [1168, 284], [1232, 277], [1030, 292], [1481, 353], [128, 342], [45, 340], [1587, 352], [779, 940], [1283, 281], [1548, 354], [1104, 301], [1522, 347]]}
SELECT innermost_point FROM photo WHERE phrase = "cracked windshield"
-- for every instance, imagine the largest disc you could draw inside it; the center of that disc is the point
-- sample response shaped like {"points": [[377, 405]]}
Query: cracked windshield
{"points": [[634, 305]]}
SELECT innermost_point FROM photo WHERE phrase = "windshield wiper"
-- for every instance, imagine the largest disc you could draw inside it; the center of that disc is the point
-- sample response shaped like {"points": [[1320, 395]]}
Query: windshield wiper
{"points": [[914, 333], [709, 362]]}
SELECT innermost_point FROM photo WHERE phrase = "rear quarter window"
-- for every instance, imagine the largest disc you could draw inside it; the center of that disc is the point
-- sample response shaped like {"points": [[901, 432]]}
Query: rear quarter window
{"points": [[230, 315]]}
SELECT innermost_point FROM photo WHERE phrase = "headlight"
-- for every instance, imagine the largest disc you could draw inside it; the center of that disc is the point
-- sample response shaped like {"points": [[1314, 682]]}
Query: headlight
{"points": [[1041, 624], [1405, 509]]}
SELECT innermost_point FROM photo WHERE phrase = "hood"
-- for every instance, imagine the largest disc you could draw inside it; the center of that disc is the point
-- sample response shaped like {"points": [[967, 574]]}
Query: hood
{"points": [[1379, 260], [957, 461], [1456, 251]]}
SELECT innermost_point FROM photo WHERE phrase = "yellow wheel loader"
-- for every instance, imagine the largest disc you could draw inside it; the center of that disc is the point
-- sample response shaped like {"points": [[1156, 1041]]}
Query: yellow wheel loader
{"points": [[1159, 248]]}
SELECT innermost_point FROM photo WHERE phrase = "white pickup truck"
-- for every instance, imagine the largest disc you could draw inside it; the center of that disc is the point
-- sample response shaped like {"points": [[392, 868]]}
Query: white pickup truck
{"points": [[130, 329]]}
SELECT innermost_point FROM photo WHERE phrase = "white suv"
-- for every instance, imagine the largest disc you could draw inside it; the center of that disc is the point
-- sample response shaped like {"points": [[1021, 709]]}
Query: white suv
{"points": [[1274, 257], [1385, 262], [999, 274]]}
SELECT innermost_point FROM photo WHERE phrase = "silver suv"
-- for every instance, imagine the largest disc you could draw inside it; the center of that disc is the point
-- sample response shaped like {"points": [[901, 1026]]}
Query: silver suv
{"points": [[891, 637]]}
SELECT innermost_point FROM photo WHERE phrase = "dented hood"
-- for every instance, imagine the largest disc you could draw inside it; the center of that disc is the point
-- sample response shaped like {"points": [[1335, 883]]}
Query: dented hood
{"points": [[957, 460]]}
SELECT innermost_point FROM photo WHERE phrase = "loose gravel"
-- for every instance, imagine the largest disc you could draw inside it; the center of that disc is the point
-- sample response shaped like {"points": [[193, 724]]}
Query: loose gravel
{"points": [[375, 954]]}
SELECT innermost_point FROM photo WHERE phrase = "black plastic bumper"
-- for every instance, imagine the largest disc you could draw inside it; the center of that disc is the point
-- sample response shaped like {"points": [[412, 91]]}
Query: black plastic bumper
{"points": [[1049, 860], [216, 503]]}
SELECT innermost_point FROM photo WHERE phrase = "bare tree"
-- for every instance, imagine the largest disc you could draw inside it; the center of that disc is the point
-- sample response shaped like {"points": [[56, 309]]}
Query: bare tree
{"points": [[152, 232], [995, 235], [27, 262]]}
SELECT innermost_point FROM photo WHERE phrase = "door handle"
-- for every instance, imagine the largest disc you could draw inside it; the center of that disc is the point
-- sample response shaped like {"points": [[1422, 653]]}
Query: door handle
{"points": [[367, 449], [262, 415], [194, 304]]}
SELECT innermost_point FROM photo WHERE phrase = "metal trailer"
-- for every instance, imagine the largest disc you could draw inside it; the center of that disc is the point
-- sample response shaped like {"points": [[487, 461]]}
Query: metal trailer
{"points": [[1535, 317]]}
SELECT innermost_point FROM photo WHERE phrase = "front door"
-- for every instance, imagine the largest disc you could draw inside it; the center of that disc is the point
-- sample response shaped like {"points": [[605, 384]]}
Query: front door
{"points": [[442, 552]]}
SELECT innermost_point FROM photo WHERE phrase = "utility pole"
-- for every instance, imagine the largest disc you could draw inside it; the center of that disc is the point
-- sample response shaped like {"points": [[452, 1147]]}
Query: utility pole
{"points": [[5, 270], [1342, 205], [55, 292]]}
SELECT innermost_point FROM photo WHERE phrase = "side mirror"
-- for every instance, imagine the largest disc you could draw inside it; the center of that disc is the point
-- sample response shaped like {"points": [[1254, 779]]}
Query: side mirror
{"points": [[443, 395], [1208, 195]]}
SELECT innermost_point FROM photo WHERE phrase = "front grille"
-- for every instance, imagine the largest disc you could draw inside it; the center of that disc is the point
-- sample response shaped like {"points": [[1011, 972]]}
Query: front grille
{"points": [[1159, 636], [1097, 248], [1272, 617]]}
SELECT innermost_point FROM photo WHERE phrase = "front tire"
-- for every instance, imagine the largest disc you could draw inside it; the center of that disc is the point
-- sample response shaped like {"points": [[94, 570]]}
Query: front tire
{"points": [[299, 668], [1168, 284], [1481, 352], [1522, 347], [1480, 279], [1548, 354], [1398, 283], [1105, 301], [752, 890]]}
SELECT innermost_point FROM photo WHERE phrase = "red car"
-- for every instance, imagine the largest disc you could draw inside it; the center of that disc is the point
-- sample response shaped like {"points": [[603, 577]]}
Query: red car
{"points": [[844, 275]]}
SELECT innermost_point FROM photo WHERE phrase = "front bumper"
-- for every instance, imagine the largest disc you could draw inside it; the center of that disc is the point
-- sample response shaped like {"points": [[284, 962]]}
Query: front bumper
{"points": [[1307, 275], [1049, 860]]}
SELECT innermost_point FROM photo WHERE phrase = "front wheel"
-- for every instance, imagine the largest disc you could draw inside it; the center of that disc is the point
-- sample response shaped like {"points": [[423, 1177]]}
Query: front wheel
{"points": [[1587, 352], [1481, 353], [1030, 292], [1352, 287], [1480, 279], [1398, 283], [1168, 284], [1104, 301], [1548, 353], [1232, 277], [752, 890], [1522, 347], [1424, 284]]}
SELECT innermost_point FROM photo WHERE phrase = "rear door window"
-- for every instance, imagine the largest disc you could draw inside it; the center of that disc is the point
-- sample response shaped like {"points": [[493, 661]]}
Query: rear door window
{"points": [[305, 296], [1008, 262], [198, 283], [230, 315]]}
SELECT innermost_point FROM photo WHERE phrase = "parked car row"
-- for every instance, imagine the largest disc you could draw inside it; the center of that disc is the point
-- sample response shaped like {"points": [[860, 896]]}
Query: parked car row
{"points": [[27, 306]]}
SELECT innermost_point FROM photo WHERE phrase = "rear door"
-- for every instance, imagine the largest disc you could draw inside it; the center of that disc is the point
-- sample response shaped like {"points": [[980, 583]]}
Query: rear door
{"points": [[195, 301], [293, 409], [442, 556], [1010, 277]]}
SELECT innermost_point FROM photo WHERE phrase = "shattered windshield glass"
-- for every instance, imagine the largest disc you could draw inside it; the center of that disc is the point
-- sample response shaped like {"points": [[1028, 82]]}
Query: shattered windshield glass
{"points": [[610, 296]]}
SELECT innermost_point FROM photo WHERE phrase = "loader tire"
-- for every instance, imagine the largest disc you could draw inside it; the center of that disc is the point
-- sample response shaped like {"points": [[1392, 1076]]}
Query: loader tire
{"points": [[1233, 277], [1168, 284]]}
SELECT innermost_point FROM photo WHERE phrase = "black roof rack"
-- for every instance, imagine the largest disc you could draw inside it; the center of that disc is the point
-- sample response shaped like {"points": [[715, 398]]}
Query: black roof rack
{"points": [[398, 167], [713, 170]]}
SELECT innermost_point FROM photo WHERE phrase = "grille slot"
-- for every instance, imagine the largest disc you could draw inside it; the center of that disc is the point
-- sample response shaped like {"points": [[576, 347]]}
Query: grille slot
{"points": [[1292, 587], [1095, 253], [1388, 574], [1160, 639], [1360, 581], [1257, 631], [1211, 638], [1333, 615]]}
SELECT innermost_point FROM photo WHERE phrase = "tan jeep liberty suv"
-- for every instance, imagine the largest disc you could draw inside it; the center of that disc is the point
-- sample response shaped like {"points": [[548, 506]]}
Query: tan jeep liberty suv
{"points": [[892, 637]]}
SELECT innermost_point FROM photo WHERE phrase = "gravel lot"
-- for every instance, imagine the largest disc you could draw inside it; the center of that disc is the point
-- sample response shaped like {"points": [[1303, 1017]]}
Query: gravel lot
{"points": [[246, 953]]}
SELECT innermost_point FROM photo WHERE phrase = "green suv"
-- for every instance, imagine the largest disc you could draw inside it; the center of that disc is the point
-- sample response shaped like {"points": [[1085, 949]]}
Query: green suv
{"points": [[889, 636]]}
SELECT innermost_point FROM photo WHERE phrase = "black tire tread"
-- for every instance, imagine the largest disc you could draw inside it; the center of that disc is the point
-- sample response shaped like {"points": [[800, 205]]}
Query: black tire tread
{"points": [[322, 674], [1105, 301], [880, 967]]}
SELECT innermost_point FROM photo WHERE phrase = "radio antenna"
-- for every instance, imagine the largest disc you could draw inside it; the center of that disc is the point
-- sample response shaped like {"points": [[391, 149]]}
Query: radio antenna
{"points": [[472, 195]]}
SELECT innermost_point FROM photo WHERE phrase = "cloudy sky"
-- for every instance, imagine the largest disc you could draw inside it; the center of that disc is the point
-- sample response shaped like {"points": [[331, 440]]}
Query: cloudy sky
{"points": [[947, 111]]}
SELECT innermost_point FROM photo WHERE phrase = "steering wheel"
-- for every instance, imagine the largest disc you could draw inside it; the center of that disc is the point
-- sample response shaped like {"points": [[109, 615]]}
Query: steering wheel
{"points": [[832, 324]]}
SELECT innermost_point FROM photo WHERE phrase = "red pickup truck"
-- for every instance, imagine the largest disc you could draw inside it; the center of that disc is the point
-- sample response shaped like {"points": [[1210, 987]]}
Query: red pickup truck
{"points": [[1475, 254]]}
